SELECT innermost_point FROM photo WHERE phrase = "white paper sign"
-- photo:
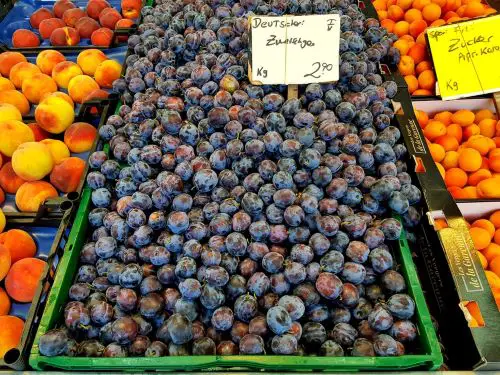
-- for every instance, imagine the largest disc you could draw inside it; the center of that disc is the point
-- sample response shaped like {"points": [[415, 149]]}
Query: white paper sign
{"points": [[295, 49]]}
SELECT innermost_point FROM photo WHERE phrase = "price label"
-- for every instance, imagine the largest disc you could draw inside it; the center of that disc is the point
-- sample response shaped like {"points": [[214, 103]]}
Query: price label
{"points": [[466, 57], [294, 49]]}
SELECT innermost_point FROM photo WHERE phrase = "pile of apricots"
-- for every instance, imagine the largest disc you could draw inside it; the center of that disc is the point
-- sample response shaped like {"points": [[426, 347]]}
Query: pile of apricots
{"points": [[409, 19], [466, 148], [66, 24]]}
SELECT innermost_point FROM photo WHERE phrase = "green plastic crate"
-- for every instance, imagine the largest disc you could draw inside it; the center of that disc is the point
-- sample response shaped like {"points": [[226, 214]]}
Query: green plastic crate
{"points": [[428, 344]]}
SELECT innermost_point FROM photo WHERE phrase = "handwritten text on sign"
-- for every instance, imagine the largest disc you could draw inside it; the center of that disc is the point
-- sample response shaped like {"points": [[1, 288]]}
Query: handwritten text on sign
{"points": [[466, 57], [295, 49]]}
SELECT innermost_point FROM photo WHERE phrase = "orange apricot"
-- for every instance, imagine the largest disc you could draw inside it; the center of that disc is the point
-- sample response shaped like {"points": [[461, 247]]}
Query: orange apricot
{"points": [[395, 13], [481, 238], [417, 27], [437, 152], [444, 117], [412, 15], [441, 170], [470, 192], [483, 260], [431, 12], [448, 142], [487, 127], [406, 65], [420, 4], [418, 53], [473, 10], [463, 117], [491, 251], [483, 114], [470, 160], [470, 131], [455, 177], [478, 176], [450, 160], [427, 79], [388, 24], [455, 130], [434, 129], [485, 224], [422, 118], [423, 65], [411, 82], [402, 45], [480, 144], [495, 219], [401, 28]]}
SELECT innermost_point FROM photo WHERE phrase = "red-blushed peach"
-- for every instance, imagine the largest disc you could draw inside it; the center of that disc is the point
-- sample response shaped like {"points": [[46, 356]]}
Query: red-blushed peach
{"points": [[1, 160], [54, 115], [12, 331], [23, 278], [47, 59], [86, 26], [58, 94], [32, 161], [57, 148], [107, 72], [80, 86], [3, 222], [19, 243], [124, 23], [9, 180], [71, 16], [5, 259], [89, 59], [2, 196], [62, 6], [95, 7], [49, 25], [67, 174], [64, 71], [21, 71], [96, 94], [109, 17], [23, 38], [6, 84], [102, 37], [17, 99], [9, 112], [31, 195], [80, 137], [8, 60], [37, 86], [39, 15], [38, 132], [131, 8], [14, 133], [65, 36]]}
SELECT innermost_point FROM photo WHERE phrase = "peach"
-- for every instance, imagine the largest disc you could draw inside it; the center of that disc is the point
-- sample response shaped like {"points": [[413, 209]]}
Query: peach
{"points": [[31, 195], [71, 16], [67, 174], [23, 38], [2, 196], [62, 6], [39, 85], [131, 8], [102, 37], [57, 148], [95, 7], [39, 133], [96, 94], [123, 24], [8, 60], [3, 221], [109, 17], [64, 71], [54, 115], [39, 15], [10, 182], [107, 72], [6, 84], [4, 302], [58, 94], [21, 71], [80, 137], [48, 59], [49, 25], [9, 112], [5, 259], [12, 331], [19, 243], [14, 133], [89, 60], [32, 161], [80, 86], [23, 278], [17, 99], [65, 36], [86, 26]]}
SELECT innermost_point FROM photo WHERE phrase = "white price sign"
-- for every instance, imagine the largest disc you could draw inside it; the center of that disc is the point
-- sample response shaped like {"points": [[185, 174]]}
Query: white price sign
{"points": [[295, 49]]}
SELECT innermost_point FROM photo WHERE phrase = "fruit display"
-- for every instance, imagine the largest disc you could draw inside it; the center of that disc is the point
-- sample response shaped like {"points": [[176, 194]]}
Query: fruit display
{"points": [[409, 20], [66, 24], [227, 219], [463, 143]]}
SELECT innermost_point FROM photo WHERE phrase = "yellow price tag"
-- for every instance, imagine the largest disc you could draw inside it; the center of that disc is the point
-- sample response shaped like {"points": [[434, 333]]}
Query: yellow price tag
{"points": [[466, 57]]}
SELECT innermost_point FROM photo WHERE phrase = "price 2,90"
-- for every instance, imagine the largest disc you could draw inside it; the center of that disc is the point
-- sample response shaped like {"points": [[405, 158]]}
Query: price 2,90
{"points": [[319, 69]]}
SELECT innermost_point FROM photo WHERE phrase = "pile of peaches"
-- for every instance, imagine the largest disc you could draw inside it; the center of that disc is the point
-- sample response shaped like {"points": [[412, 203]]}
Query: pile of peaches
{"points": [[35, 158], [66, 24], [409, 19]]}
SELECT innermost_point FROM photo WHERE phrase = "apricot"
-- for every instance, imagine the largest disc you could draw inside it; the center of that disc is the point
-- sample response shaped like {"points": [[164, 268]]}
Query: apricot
{"points": [[411, 82], [109, 17], [481, 144], [31, 195], [47, 26], [455, 131], [71, 16], [422, 118], [422, 66], [66, 175], [483, 114], [11, 333], [431, 12], [437, 152], [463, 117], [455, 177], [470, 160], [478, 176], [8, 60], [470, 130], [9, 180], [58, 150], [107, 72], [62, 6], [5, 259], [86, 26], [80, 86], [14, 133], [22, 38], [487, 127], [406, 65], [401, 28], [89, 60], [54, 115], [482, 259], [6, 84], [58, 94], [491, 251], [495, 219], [426, 79], [19, 243], [102, 37], [434, 129], [39, 15], [470, 192], [32, 161], [65, 36], [480, 237], [4, 302], [23, 278], [489, 188], [448, 142], [450, 160], [22, 71], [9, 112], [48, 59], [95, 7], [417, 27], [132, 8], [39, 85], [64, 71]]}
